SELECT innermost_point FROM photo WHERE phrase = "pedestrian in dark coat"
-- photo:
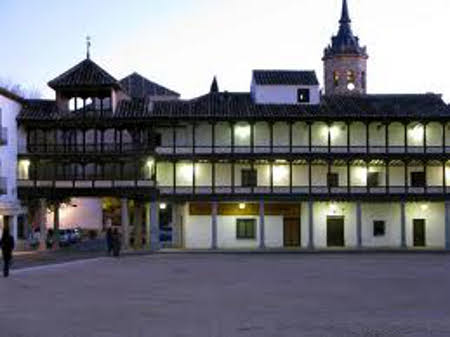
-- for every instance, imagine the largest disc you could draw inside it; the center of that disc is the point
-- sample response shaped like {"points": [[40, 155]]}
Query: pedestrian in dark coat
{"points": [[116, 244], [109, 240], [7, 244]]}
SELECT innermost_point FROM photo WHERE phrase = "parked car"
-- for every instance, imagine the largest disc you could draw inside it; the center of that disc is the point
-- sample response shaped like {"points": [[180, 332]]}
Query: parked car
{"points": [[64, 238], [78, 234], [73, 238]]}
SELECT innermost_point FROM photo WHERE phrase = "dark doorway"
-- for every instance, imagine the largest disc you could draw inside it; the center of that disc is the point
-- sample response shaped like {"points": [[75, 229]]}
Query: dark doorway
{"points": [[419, 232], [335, 232], [292, 233]]}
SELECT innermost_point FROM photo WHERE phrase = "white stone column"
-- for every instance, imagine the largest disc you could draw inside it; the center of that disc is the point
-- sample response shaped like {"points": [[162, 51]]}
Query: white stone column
{"points": [[125, 219], [310, 225], [403, 224], [358, 225], [214, 211], [447, 225], [262, 229], [154, 225]]}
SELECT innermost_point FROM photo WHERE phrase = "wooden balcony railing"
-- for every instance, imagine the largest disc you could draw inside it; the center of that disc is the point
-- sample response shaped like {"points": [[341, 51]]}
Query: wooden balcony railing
{"points": [[304, 190], [86, 184], [89, 148], [181, 150]]}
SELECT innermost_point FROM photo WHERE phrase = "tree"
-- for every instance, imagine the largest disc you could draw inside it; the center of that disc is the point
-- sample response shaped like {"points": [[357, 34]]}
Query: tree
{"points": [[19, 90]]}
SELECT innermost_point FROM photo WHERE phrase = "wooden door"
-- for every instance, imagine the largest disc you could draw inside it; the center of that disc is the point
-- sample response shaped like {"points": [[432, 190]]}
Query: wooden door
{"points": [[419, 232], [335, 232], [292, 233]]}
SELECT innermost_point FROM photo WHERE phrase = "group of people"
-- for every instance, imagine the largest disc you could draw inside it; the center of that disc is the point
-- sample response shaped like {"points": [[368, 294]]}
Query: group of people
{"points": [[7, 245], [113, 241]]}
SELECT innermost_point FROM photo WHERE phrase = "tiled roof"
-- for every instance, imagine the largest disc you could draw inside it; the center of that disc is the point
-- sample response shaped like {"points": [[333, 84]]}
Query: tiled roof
{"points": [[10, 95], [137, 86], [39, 109], [285, 77], [85, 74], [240, 105]]}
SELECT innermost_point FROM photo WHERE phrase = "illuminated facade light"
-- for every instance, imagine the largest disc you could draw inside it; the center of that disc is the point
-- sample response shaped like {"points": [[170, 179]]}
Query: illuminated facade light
{"points": [[424, 207], [333, 208], [243, 131], [162, 206], [242, 206], [417, 132]]}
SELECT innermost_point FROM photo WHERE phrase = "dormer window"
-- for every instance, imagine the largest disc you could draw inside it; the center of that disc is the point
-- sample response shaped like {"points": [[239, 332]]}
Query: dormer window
{"points": [[303, 96]]}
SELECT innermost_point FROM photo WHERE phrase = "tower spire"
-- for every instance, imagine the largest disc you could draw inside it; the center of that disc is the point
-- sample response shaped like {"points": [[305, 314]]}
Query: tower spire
{"points": [[214, 86], [88, 47], [345, 17]]}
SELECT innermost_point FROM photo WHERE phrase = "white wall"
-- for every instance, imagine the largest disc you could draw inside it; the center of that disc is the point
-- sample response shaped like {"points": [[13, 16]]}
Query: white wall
{"points": [[388, 212], [322, 210], [434, 215], [282, 94]]}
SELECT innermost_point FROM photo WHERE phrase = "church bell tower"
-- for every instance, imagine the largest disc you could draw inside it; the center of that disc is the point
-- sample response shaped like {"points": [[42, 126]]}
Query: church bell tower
{"points": [[345, 61]]}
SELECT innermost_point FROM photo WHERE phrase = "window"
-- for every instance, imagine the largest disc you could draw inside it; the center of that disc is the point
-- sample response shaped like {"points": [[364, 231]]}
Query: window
{"points": [[418, 179], [372, 179], [303, 95], [333, 180], [336, 79], [379, 228], [249, 178], [246, 229]]}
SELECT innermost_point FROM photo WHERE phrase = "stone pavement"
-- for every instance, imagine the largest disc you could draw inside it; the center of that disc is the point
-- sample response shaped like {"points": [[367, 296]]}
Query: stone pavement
{"points": [[231, 295]]}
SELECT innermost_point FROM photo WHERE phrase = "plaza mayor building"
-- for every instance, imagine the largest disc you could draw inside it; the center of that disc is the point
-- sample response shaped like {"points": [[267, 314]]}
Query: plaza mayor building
{"points": [[287, 164]]}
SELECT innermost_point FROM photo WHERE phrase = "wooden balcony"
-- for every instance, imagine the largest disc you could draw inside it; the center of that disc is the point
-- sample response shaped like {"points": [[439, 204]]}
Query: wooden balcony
{"points": [[286, 150], [100, 148], [97, 184], [305, 190]]}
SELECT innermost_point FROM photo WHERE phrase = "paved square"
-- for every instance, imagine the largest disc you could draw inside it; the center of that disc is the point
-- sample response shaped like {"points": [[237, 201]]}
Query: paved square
{"points": [[231, 295]]}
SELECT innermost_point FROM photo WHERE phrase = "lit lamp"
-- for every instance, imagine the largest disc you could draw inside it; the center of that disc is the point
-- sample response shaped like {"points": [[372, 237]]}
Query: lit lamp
{"points": [[424, 207], [162, 206], [243, 131], [242, 206], [417, 132], [333, 208]]}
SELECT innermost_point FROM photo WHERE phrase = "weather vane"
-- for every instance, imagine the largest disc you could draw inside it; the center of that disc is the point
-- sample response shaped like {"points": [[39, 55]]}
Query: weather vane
{"points": [[88, 47]]}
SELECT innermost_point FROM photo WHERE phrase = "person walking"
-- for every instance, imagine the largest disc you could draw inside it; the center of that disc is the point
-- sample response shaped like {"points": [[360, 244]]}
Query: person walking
{"points": [[109, 240], [116, 245], [7, 244]]}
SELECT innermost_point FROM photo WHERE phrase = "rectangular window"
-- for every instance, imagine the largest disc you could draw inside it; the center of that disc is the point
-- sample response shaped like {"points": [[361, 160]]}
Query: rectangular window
{"points": [[245, 229], [303, 96], [372, 179], [379, 228], [333, 180], [249, 178], [418, 179]]}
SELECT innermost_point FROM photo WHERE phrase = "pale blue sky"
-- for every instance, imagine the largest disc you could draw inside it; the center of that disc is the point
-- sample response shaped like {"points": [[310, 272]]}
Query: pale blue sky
{"points": [[183, 43]]}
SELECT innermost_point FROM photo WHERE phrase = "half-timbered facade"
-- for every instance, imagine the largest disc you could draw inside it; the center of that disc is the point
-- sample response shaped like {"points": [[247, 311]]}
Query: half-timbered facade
{"points": [[283, 165]]}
